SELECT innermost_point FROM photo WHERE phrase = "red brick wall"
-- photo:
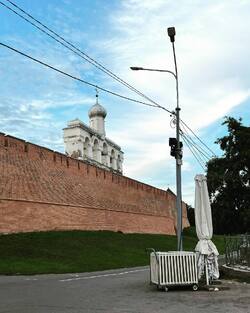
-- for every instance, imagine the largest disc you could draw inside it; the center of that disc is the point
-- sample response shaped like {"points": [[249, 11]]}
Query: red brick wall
{"points": [[44, 190]]}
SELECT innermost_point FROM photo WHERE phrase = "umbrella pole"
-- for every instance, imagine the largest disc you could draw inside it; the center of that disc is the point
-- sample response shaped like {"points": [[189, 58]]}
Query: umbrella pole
{"points": [[206, 270]]}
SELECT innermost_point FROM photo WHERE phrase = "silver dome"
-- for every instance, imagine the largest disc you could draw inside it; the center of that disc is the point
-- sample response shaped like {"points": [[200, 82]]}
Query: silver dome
{"points": [[97, 110]]}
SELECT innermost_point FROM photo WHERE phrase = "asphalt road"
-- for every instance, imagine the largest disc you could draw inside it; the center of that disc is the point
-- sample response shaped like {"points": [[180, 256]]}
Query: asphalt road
{"points": [[117, 291]]}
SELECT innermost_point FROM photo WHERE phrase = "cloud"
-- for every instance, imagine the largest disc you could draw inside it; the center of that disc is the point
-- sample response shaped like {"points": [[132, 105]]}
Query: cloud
{"points": [[212, 55], [207, 56]]}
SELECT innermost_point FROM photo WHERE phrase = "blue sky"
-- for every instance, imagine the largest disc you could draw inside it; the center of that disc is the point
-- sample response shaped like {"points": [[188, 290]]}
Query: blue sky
{"points": [[212, 45]]}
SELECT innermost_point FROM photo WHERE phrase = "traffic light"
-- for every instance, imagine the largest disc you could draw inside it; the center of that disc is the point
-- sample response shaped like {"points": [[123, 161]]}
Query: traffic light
{"points": [[173, 146]]}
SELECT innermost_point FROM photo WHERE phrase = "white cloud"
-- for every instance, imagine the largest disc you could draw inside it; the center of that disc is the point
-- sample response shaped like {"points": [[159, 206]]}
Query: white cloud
{"points": [[212, 46], [212, 54]]}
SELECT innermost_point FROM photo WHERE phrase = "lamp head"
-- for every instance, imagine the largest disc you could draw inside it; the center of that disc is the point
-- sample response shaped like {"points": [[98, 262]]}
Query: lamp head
{"points": [[171, 33], [136, 68]]}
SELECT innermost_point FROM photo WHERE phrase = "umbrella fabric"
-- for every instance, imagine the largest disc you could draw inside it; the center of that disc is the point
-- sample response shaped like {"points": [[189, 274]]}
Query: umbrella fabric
{"points": [[204, 229]]}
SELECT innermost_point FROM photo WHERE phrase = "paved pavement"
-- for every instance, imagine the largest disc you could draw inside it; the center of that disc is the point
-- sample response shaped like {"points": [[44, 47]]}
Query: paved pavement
{"points": [[117, 291]]}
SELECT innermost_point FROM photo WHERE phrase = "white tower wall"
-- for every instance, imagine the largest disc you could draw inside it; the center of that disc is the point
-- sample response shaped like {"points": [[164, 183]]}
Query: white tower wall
{"points": [[97, 123]]}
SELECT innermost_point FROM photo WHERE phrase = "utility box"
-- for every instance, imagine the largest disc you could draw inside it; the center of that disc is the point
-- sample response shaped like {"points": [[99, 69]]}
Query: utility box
{"points": [[175, 268]]}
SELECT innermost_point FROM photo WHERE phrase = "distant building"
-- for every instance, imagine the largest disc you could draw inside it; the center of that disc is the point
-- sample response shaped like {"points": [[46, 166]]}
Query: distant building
{"points": [[90, 143]]}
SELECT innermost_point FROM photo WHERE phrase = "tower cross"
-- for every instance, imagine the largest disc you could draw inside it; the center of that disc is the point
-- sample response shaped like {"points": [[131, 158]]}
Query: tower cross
{"points": [[97, 94]]}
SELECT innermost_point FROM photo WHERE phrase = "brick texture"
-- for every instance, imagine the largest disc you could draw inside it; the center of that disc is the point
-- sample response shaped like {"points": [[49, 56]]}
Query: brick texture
{"points": [[45, 190]]}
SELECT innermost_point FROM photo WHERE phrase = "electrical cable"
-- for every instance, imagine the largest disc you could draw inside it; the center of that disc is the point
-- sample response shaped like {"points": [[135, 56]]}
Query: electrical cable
{"points": [[197, 159], [75, 78], [198, 137], [78, 52], [201, 155], [194, 149], [196, 145]]}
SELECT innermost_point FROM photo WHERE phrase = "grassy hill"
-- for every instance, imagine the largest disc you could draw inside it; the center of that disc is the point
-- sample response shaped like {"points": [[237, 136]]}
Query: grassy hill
{"points": [[83, 251]]}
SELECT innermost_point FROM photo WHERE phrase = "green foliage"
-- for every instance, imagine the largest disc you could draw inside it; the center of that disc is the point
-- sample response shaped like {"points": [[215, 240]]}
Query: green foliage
{"points": [[190, 232], [80, 251], [190, 215], [229, 180]]}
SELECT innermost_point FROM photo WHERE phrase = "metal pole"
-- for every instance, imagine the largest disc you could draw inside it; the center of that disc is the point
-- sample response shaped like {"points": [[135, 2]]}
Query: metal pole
{"points": [[178, 162], [178, 154]]}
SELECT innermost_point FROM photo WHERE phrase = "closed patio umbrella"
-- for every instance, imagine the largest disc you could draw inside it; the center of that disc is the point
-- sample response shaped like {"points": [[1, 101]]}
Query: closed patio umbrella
{"points": [[208, 253]]}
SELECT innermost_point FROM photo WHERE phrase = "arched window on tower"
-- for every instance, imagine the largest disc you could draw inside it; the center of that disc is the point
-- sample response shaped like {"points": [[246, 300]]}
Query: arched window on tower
{"points": [[105, 154], [95, 150], [86, 148], [119, 163], [112, 159]]}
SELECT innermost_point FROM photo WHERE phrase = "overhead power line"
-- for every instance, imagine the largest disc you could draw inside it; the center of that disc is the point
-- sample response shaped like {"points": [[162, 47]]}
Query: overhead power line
{"points": [[58, 38], [201, 141], [198, 152], [197, 146], [194, 154], [74, 77]]}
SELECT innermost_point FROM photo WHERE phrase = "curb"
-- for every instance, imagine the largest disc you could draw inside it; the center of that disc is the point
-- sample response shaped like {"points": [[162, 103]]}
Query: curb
{"points": [[237, 273]]}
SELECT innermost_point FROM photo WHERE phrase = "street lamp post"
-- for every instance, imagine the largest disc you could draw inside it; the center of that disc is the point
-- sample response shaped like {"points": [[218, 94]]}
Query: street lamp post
{"points": [[178, 150], [171, 34]]}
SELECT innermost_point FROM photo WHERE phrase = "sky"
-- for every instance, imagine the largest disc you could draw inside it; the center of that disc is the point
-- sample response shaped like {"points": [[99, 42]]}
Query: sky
{"points": [[212, 48]]}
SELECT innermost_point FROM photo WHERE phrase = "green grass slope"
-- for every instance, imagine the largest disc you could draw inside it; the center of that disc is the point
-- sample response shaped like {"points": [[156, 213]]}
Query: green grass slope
{"points": [[83, 251]]}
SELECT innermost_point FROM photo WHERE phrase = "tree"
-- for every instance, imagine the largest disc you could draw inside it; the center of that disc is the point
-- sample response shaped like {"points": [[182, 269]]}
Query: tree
{"points": [[229, 180]]}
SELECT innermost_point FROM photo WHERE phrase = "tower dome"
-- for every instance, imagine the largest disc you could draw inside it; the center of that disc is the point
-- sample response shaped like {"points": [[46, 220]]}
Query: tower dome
{"points": [[97, 114], [97, 110]]}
